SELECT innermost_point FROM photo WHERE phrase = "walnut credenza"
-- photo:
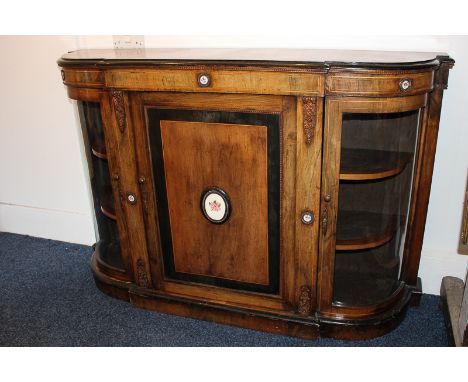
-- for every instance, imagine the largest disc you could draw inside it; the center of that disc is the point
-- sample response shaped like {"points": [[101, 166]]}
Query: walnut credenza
{"points": [[278, 190]]}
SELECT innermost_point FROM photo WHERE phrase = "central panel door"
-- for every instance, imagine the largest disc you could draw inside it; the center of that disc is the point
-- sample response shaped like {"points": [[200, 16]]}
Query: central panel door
{"points": [[227, 235], [216, 173]]}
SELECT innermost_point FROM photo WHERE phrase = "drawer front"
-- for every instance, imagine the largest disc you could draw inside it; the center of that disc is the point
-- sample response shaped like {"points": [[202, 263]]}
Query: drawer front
{"points": [[384, 84], [208, 80]]}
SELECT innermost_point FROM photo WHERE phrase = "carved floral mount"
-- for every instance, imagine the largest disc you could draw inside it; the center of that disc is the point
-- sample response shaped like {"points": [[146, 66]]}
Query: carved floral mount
{"points": [[309, 105], [304, 305], [118, 102], [142, 277]]}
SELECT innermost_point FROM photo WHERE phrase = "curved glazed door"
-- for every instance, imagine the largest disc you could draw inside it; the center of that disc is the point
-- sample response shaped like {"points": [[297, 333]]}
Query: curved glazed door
{"points": [[108, 245], [370, 162]]}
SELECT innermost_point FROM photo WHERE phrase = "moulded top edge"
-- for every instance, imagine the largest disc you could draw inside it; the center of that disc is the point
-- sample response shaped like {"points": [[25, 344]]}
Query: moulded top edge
{"points": [[302, 57]]}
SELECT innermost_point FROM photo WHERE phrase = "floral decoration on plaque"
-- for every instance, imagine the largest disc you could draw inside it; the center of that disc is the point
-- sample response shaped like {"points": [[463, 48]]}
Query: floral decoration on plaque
{"points": [[215, 205]]}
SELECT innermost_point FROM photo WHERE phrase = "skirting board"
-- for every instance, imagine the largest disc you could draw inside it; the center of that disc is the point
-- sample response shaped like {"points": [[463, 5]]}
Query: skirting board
{"points": [[72, 227], [436, 264]]}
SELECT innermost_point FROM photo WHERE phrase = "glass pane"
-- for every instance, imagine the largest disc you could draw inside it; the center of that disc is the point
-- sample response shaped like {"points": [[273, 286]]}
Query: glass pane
{"points": [[377, 160], [108, 242]]}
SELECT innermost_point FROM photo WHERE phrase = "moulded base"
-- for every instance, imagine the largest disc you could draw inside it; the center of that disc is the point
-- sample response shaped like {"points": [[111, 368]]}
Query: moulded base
{"points": [[284, 323]]}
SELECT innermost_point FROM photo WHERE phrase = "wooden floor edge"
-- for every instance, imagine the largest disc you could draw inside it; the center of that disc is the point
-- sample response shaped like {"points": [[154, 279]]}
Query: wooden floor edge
{"points": [[451, 295]]}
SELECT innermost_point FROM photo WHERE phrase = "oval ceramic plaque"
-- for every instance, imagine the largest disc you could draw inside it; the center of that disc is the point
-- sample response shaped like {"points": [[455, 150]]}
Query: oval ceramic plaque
{"points": [[215, 205]]}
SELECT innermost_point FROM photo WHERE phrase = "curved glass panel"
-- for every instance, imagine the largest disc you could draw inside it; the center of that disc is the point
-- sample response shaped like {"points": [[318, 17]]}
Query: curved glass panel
{"points": [[376, 171], [108, 244]]}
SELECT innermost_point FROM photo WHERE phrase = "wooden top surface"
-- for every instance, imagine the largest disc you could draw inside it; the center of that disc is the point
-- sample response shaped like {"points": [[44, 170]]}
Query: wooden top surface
{"points": [[251, 56]]}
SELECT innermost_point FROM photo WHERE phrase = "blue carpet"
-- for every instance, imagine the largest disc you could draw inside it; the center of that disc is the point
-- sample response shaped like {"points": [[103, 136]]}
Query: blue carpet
{"points": [[48, 298]]}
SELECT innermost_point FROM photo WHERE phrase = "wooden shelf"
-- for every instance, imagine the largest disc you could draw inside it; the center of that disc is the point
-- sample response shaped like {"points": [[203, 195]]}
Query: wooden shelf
{"points": [[99, 150], [362, 164], [358, 230], [107, 207]]}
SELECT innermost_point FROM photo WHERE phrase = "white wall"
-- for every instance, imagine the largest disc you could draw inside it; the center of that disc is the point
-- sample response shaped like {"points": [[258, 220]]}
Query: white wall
{"points": [[42, 180], [43, 183]]}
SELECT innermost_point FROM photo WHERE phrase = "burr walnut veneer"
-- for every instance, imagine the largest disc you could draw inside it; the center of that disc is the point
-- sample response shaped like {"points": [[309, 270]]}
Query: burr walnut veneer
{"points": [[278, 190]]}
